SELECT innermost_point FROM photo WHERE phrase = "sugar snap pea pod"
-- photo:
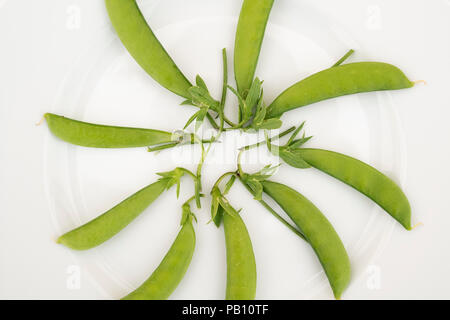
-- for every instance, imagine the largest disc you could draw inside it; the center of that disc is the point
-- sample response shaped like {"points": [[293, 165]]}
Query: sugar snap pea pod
{"points": [[102, 136], [249, 37], [339, 81], [105, 226], [318, 231], [142, 44], [364, 178], [241, 265], [166, 277]]}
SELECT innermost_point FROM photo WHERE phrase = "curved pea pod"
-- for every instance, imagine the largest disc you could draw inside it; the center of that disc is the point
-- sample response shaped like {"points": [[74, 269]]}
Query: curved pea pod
{"points": [[241, 265], [101, 136], [318, 231], [339, 81], [249, 37], [166, 277], [364, 178], [142, 44], [105, 226]]}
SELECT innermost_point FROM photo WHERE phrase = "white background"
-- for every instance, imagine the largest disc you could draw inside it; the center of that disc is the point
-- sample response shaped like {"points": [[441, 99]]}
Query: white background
{"points": [[49, 48]]}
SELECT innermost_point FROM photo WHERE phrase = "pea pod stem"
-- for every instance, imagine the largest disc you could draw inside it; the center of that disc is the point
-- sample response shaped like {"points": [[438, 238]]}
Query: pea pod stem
{"points": [[223, 176], [174, 144], [345, 57], [105, 226], [211, 121]]}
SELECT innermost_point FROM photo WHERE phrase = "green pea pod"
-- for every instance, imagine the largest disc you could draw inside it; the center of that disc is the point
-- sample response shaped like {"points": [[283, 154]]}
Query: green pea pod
{"points": [[318, 231], [100, 136], [165, 279], [241, 265], [249, 37], [339, 81], [104, 227], [364, 178], [142, 44]]}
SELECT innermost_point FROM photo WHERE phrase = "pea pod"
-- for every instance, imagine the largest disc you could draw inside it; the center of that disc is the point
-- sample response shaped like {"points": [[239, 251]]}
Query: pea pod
{"points": [[142, 44], [101, 136], [241, 265], [364, 178], [318, 231], [249, 37], [339, 81], [169, 273], [105, 226]]}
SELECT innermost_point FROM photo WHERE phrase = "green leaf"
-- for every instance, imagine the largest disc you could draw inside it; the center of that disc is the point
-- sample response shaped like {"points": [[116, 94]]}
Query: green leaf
{"points": [[172, 177], [219, 216], [295, 133], [227, 208], [269, 170], [187, 215], [187, 103], [260, 115], [293, 158], [229, 184], [194, 116], [200, 83], [253, 96], [215, 195], [201, 98], [257, 188], [239, 97], [200, 117], [299, 142], [270, 124]]}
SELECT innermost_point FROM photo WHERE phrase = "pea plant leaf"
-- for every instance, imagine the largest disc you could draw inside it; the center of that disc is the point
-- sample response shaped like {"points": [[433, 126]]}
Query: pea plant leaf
{"points": [[187, 214], [200, 82], [191, 119], [290, 152], [253, 98], [200, 118], [254, 180], [293, 158], [216, 216], [172, 177], [260, 113], [299, 142], [229, 184], [257, 188], [258, 122], [187, 103], [269, 124], [202, 98]]}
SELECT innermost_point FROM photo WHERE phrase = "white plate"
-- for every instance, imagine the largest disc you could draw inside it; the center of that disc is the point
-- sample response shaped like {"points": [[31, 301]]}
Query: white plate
{"points": [[107, 86]]}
